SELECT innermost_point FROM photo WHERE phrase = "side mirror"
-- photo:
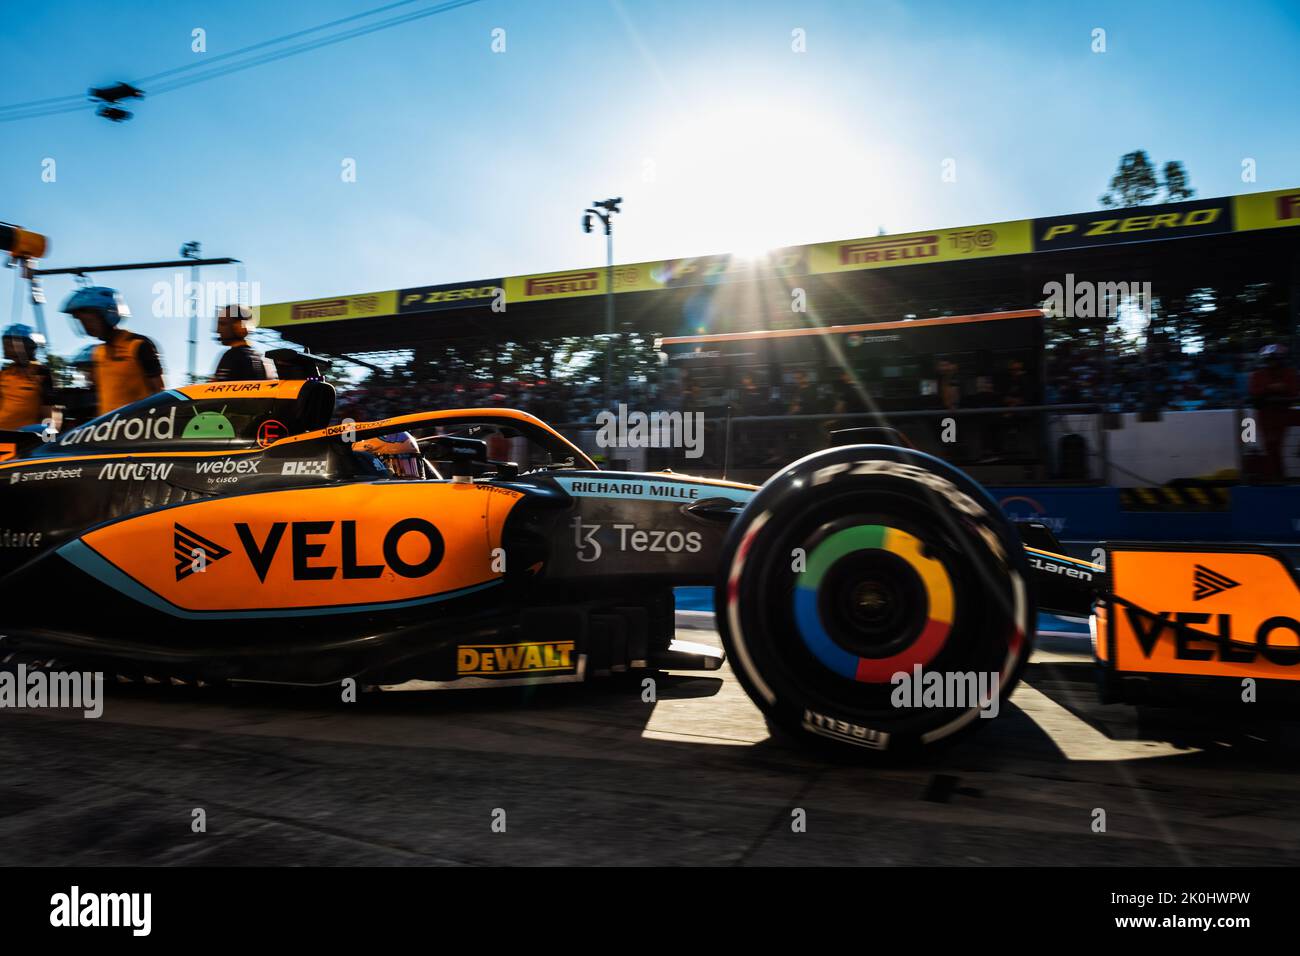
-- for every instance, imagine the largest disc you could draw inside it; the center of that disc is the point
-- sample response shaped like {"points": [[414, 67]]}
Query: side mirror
{"points": [[463, 453]]}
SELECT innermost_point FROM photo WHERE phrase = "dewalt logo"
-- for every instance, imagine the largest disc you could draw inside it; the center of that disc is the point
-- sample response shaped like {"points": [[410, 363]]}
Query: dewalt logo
{"points": [[529, 657]]}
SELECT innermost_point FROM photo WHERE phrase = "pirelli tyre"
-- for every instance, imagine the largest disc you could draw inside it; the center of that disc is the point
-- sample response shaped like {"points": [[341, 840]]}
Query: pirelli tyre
{"points": [[874, 598]]}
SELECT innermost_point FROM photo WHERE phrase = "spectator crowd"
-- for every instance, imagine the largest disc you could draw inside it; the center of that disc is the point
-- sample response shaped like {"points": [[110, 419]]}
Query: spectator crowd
{"points": [[1178, 382]]}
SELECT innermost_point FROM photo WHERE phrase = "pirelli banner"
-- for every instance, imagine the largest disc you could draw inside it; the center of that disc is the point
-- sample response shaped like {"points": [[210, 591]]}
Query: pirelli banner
{"points": [[663, 274], [915, 248], [1197, 217], [1266, 210], [333, 309], [574, 283]]}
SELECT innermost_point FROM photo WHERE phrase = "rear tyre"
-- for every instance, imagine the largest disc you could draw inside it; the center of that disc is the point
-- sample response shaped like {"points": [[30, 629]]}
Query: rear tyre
{"points": [[874, 598]]}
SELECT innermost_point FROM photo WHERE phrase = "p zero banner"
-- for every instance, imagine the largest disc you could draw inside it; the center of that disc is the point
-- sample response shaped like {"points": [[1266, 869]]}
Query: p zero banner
{"points": [[915, 248], [714, 270], [454, 295], [333, 309], [1173, 220], [1201, 217], [1267, 210]]}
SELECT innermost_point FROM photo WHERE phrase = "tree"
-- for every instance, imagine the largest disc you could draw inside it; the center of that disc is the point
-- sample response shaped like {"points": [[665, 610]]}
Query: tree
{"points": [[1135, 182], [1176, 185]]}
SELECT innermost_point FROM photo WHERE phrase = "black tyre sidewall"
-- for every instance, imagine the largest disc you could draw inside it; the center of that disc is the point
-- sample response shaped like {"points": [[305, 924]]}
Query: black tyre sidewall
{"points": [[957, 521]]}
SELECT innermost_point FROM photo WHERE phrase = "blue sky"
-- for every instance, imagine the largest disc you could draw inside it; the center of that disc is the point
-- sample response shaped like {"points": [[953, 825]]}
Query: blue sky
{"points": [[473, 164]]}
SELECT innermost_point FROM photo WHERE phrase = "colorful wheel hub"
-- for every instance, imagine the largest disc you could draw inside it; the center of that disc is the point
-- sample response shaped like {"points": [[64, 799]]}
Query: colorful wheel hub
{"points": [[933, 576]]}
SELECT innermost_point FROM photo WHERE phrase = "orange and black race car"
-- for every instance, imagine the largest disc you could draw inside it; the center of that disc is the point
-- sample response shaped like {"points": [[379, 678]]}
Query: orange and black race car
{"points": [[868, 596]]}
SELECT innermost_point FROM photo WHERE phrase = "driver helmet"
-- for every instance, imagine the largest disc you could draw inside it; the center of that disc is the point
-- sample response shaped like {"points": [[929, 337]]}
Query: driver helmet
{"points": [[24, 341], [399, 452], [110, 305]]}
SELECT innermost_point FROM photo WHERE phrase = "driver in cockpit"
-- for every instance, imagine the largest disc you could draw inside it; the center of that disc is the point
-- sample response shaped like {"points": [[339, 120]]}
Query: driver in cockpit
{"points": [[399, 453]]}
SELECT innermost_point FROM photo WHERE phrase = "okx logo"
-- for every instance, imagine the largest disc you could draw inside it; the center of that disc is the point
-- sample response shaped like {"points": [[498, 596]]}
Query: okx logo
{"points": [[193, 551], [1207, 583]]}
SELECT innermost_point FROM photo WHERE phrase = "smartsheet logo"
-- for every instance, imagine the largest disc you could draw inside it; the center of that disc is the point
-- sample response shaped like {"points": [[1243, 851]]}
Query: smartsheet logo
{"points": [[76, 909]]}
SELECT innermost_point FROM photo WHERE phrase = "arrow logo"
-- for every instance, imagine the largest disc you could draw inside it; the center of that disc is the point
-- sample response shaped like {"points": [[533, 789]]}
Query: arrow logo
{"points": [[1208, 583], [190, 547]]}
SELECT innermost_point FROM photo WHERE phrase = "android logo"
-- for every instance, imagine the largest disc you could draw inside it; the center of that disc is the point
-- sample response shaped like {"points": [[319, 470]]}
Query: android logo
{"points": [[209, 425]]}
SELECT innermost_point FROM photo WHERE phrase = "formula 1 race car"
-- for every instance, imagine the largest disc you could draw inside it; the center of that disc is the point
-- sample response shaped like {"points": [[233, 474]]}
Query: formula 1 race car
{"points": [[227, 532]]}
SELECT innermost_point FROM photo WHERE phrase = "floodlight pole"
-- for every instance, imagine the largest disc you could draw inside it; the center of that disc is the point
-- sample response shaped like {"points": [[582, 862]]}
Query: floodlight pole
{"points": [[190, 250], [609, 307], [610, 206]]}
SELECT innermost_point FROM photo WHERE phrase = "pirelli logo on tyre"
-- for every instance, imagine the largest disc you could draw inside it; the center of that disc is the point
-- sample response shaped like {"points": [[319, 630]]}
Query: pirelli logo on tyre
{"points": [[844, 731], [526, 657], [1134, 224]]}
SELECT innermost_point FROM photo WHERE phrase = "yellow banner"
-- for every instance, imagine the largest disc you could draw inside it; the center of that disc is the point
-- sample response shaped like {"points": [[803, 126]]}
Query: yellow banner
{"points": [[334, 309], [931, 245], [1267, 210], [555, 285], [1255, 211], [572, 283]]}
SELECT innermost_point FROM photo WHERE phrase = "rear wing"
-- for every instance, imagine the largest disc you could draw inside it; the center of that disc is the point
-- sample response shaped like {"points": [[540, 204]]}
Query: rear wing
{"points": [[1199, 610]]}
